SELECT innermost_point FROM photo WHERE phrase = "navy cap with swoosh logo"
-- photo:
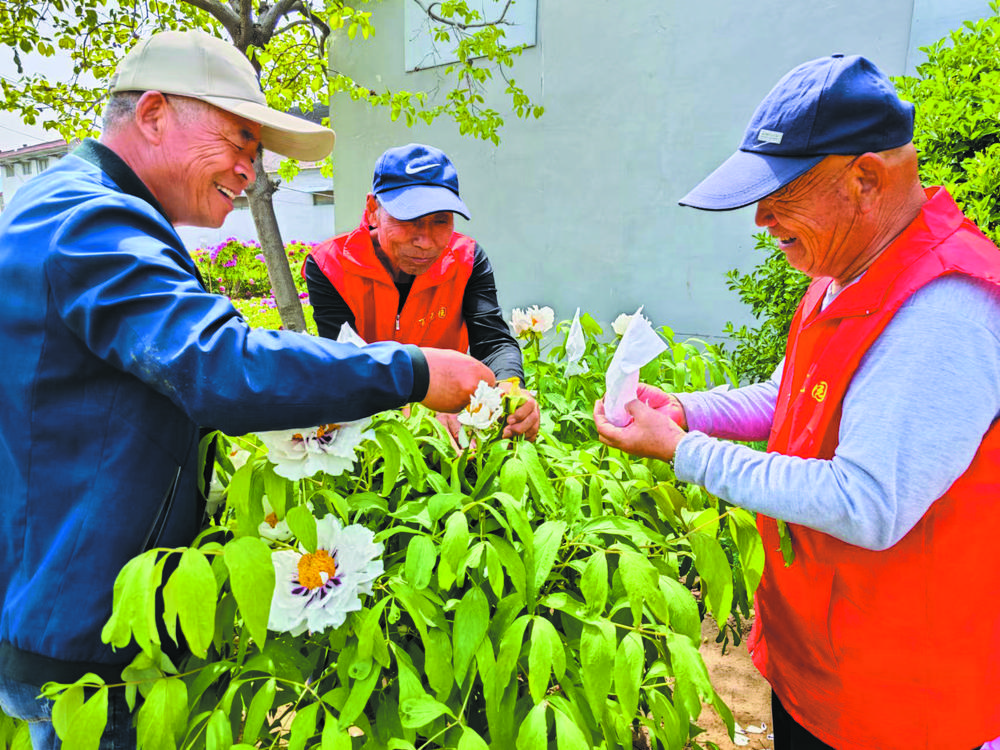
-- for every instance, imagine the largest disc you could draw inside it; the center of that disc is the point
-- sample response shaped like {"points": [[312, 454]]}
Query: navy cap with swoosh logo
{"points": [[415, 180]]}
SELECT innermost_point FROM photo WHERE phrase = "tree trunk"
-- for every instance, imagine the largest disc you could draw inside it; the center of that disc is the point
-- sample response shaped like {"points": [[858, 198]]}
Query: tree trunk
{"points": [[262, 208]]}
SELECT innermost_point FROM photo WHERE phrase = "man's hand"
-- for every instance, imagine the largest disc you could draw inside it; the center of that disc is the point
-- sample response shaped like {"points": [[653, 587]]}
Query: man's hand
{"points": [[526, 418], [652, 433], [454, 377], [665, 403]]}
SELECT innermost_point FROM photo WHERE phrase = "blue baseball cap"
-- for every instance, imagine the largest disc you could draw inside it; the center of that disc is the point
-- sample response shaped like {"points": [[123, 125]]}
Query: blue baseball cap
{"points": [[415, 180], [833, 105]]}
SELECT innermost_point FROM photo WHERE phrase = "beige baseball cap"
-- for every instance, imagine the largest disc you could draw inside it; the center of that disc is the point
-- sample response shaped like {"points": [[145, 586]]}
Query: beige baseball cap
{"points": [[201, 66]]}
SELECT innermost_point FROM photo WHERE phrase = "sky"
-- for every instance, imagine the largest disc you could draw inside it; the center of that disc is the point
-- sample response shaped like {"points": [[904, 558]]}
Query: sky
{"points": [[14, 133]]}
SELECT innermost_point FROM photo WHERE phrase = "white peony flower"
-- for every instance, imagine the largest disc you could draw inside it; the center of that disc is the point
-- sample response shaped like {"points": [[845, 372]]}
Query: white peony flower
{"points": [[485, 407], [621, 323], [271, 528], [330, 448], [315, 591], [535, 320]]}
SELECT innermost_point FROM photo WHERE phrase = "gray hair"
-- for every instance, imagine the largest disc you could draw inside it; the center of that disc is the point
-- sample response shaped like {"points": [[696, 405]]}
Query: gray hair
{"points": [[121, 105]]}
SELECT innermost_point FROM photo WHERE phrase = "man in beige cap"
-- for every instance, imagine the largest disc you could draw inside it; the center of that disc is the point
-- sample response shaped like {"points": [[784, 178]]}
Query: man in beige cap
{"points": [[116, 360]]}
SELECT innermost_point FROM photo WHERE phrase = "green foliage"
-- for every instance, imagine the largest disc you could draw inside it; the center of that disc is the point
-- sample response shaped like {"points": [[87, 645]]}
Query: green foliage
{"points": [[956, 93], [534, 595], [772, 290]]}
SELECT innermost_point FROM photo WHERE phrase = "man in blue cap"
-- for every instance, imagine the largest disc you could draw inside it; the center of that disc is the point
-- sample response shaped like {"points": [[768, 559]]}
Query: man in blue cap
{"points": [[406, 275], [883, 426]]}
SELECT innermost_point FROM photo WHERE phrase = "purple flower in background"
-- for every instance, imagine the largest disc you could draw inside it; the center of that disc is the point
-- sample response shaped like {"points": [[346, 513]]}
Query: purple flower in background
{"points": [[260, 257], [230, 263]]}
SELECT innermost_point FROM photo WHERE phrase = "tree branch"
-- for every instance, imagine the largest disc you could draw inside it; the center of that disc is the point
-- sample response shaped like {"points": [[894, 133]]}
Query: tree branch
{"points": [[224, 15], [429, 10]]}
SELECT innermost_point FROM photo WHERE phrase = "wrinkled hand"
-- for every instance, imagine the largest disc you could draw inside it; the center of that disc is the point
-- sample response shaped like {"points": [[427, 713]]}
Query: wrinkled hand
{"points": [[454, 427], [526, 418], [652, 433], [454, 377]]}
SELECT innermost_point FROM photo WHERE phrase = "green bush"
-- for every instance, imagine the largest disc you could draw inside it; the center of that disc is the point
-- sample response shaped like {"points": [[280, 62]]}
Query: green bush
{"points": [[772, 290], [534, 595], [958, 117]]}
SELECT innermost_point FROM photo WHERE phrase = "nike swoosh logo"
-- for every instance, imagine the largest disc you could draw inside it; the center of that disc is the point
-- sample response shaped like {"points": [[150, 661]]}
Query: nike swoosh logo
{"points": [[414, 170]]}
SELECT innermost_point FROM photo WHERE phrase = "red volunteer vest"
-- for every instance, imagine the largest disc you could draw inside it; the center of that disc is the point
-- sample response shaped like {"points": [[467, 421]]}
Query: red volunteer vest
{"points": [[432, 313], [891, 649]]}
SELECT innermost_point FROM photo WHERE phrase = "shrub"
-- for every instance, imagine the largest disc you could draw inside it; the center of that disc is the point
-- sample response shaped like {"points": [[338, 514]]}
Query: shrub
{"points": [[533, 595], [772, 290], [958, 117]]}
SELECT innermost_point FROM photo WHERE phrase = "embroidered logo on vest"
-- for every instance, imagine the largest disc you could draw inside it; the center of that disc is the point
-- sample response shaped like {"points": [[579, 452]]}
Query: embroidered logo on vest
{"points": [[819, 391]]}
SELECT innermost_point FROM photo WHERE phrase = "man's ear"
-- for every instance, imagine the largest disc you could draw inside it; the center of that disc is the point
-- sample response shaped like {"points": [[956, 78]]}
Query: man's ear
{"points": [[151, 116], [869, 175], [371, 211]]}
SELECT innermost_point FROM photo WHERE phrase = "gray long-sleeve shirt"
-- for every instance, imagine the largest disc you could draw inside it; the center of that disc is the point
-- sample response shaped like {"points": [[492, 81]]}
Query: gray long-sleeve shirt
{"points": [[914, 415]]}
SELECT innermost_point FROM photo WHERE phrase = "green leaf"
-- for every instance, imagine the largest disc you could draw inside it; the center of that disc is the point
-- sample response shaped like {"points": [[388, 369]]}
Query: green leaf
{"points": [[418, 712], [218, 732], [454, 545], [569, 736], [303, 727], [684, 617], [162, 718], [251, 575], [513, 478], [472, 618], [715, 573], [743, 529], [302, 524], [78, 723], [545, 656], [471, 740], [533, 734], [538, 480], [421, 555], [692, 680], [547, 540], [628, 673], [390, 461], [276, 488], [641, 582], [261, 704], [594, 583], [134, 604], [190, 594], [597, 657], [357, 699], [785, 541]]}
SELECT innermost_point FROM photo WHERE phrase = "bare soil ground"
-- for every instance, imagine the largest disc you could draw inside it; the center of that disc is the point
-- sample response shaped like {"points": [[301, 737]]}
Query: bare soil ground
{"points": [[742, 688]]}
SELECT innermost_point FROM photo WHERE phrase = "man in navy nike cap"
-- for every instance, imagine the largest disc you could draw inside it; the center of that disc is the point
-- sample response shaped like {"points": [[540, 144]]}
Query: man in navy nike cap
{"points": [[406, 275]]}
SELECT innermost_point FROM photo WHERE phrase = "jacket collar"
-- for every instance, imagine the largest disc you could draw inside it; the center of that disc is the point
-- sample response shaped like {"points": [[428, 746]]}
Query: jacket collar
{"points": [[121, 173]]}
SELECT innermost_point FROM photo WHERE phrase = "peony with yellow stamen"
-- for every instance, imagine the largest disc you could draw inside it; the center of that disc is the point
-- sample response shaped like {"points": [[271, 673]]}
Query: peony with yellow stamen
{"points": [[316, 590]]}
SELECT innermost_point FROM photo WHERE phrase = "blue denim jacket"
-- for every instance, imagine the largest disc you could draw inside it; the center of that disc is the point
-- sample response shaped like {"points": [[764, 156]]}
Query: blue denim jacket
{"points": [[112, 356]]}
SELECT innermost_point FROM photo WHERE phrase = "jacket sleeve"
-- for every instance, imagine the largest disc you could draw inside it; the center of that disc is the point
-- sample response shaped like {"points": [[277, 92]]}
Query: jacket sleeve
{"points": [[330, 310], [490, 340], [123, 283]]}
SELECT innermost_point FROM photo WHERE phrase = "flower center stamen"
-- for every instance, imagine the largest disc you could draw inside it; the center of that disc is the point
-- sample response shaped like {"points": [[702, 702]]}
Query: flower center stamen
{"points": [[272, 519], [316, 569]]}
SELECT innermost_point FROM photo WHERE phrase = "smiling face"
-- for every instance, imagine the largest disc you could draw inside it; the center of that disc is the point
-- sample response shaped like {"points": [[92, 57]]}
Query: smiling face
{"points": [[409, 247], [208, 156], [815, 219]]}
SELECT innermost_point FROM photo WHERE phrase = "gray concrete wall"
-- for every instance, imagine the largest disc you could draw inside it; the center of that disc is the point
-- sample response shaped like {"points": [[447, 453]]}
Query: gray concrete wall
{"points": [[643, 99]]}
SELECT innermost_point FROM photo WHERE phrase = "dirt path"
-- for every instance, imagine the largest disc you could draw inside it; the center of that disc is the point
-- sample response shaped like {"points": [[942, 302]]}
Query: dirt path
{"points": [[742, 688]]}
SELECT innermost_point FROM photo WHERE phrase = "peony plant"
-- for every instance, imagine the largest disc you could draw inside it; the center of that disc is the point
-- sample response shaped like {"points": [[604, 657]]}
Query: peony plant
{"points": [[519, 595]]}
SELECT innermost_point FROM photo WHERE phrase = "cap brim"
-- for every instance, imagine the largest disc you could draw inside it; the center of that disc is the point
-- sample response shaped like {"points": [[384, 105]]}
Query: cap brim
{"points": [[281, 132], [745, 178], [412, 201]]}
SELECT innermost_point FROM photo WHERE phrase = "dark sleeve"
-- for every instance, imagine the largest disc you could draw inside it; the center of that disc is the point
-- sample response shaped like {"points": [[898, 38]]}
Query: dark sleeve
{"points": [[330, 311], [490, 340]]}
